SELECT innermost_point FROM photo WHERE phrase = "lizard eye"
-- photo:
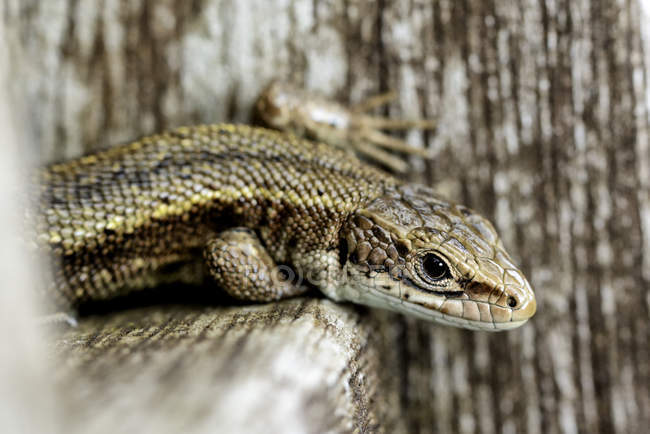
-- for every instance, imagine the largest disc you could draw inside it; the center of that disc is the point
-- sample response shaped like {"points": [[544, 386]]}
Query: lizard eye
{"points": [[432, 268]]}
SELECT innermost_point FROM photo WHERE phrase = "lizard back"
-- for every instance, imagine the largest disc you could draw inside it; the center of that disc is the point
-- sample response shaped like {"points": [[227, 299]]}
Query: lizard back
{"points": [[111, 220]]}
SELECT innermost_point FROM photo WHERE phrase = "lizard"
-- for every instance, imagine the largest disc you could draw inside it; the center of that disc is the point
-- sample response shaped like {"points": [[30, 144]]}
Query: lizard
{"points": [[267, 214]]}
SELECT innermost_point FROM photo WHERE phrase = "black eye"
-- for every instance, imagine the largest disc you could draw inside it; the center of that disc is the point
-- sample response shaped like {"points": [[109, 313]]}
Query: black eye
{"points": [[512, 302], [433, 267]]}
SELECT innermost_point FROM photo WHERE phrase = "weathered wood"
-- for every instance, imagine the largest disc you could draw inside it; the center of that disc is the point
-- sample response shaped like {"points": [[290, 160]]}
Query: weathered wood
{"points": [[544, 114], [300, 366]]}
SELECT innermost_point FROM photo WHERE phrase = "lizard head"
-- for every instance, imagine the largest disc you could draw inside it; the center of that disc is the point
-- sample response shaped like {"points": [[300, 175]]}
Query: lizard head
{"points": [[413, 253]]}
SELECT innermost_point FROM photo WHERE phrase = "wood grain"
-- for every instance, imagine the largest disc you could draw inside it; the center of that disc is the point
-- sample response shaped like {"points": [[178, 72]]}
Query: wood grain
{"points": [[303, 365], [544, 122]]}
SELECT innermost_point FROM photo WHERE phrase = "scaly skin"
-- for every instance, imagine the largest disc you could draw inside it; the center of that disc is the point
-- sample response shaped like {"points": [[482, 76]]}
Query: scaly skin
{"points": [[122, 219]]}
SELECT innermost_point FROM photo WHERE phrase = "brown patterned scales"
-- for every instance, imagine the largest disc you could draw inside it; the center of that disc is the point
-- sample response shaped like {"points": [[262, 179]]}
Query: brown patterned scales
{"points": [[238, 200]]}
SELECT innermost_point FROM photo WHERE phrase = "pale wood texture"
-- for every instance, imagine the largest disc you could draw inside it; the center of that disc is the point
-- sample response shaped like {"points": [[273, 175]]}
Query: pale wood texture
{"points": [[543, 110], [301, 366]]}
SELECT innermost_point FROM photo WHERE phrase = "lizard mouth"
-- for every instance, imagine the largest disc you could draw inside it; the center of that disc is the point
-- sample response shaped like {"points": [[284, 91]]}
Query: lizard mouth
{"points": [[363, 293], [426, 313]]}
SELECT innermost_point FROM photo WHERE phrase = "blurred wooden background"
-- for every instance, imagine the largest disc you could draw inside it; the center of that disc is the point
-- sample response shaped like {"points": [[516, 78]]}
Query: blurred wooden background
{"points": [[544, 123]]}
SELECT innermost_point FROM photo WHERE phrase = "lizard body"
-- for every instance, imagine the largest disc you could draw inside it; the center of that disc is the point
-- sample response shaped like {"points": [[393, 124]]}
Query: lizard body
{"points": [[265, 211]]}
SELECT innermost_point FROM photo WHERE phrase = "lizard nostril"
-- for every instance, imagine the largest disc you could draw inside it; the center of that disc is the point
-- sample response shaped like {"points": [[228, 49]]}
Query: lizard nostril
{"points": [[512, 302]]}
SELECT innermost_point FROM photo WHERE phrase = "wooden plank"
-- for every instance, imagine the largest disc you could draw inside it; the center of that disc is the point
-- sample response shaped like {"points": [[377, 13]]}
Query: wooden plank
{"points": [[304, 365], [544, 121]]}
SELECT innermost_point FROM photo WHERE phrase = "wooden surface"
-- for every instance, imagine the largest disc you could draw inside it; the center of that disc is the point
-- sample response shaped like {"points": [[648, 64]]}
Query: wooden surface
{"points": [[543, 109], [303, 366]]}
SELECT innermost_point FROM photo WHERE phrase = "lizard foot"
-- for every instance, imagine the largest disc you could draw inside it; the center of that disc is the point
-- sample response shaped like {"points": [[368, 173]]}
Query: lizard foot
{"points": [[240, 265], [287, 108]]}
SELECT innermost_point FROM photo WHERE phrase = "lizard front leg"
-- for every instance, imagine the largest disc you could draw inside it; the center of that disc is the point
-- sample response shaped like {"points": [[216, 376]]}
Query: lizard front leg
{"points": [[242, 267]]}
